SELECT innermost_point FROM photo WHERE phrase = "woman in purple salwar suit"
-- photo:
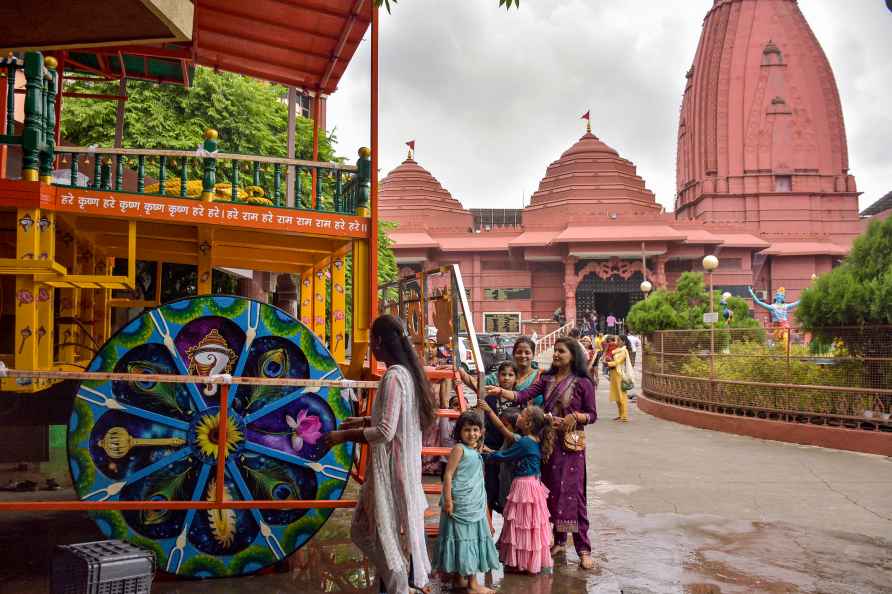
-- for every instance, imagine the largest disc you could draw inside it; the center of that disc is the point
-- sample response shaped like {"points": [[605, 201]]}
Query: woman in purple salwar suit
{"points": [[569, 397]]}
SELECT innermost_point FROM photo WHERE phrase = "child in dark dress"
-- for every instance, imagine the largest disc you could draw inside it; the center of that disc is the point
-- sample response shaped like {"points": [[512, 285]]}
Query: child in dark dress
{"points": [[507, 377]]}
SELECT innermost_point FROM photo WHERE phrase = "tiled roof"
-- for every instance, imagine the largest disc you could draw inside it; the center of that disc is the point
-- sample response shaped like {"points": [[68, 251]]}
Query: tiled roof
{"points": [[881, 205]]}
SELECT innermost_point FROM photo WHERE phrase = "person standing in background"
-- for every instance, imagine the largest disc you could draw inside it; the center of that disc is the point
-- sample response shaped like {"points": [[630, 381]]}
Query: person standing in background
{"points": [[635, 342], [615, 359]]}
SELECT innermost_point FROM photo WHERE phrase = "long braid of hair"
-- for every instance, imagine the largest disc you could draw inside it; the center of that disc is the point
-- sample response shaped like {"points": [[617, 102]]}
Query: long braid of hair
{"points": [[543, 430]]}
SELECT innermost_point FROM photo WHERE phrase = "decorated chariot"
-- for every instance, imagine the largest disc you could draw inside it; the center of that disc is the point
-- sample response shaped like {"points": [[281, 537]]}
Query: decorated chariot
{"points": [[194, 418]]}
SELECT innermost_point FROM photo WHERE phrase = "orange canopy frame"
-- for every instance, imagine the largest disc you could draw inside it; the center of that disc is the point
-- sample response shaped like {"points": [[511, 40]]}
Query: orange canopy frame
{"points": [[302, 43]]}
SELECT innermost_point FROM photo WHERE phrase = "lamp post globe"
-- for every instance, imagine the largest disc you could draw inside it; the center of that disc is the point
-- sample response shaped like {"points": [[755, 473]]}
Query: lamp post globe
{"points": [[646, 287], [726, 295], [710, 263]]}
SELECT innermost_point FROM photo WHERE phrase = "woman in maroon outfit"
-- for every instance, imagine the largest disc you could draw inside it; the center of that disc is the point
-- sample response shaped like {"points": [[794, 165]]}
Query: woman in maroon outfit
{"points": [[570, 397]]}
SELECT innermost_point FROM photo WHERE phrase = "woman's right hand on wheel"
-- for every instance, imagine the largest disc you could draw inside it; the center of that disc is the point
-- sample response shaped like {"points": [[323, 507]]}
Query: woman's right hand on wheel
{"points": [[353, 423]]}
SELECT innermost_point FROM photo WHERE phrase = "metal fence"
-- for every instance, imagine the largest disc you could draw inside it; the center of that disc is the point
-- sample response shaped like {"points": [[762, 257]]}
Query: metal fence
{"points": [[835, 376]]}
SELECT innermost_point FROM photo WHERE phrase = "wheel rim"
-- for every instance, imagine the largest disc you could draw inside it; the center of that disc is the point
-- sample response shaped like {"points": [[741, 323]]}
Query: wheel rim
{"points": [[156, 441]]}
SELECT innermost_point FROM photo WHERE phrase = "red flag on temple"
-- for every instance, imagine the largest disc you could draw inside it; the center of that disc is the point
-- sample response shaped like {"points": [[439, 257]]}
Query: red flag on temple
{"points": [[587, 115], [411, 144]]}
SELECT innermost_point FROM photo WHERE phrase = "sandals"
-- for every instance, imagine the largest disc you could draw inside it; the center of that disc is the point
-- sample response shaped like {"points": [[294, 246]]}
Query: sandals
{"points": [[586, 562]]}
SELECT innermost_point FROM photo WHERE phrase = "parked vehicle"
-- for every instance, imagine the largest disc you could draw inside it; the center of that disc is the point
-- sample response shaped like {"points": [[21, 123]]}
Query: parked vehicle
{"points": [[492, 350], [465, 356], [506, 343]]}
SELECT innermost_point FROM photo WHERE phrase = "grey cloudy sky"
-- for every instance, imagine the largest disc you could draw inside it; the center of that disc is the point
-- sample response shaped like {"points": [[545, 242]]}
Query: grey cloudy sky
{"points": [[493, 97]]}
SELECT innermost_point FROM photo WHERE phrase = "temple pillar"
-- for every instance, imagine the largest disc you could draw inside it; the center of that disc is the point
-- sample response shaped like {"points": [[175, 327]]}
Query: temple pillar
{"points": [[571, 281], [286, 293], [659, 274], [254, 287]]}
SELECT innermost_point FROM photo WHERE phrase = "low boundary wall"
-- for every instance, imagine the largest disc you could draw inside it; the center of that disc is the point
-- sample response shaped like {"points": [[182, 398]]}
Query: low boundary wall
{"points": [[854, 440]]}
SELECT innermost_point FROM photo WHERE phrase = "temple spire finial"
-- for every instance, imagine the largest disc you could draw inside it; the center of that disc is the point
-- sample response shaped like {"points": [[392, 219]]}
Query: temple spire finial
{"points": [[411, 145], [587, 116]]}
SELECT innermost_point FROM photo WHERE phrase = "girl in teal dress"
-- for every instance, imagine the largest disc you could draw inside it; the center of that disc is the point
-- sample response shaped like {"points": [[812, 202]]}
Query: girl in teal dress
{"points": [[464, 545]]}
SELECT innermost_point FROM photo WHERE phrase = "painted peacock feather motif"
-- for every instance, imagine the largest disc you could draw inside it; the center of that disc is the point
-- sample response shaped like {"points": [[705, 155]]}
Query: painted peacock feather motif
{"points": [[274, 363], [166, 488], [271, 481], [162, 393]]}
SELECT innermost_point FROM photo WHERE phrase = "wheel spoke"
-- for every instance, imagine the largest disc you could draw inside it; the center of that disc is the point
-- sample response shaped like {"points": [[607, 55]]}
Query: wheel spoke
{"points": [[286, 400], [275, 405], [323, 469], [164, 330], [175, 559], [99, 398], [113, 489], [156, 466], [271, 541], [250, 335]]}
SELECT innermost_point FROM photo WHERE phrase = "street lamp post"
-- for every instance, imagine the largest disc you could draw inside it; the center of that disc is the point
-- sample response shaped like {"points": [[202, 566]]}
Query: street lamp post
{"points": [[646, 288], [710, 263]]}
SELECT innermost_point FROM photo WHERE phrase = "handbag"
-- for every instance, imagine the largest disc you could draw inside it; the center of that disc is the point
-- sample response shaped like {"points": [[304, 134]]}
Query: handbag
{"points": [[628, 374], [574, 439]]}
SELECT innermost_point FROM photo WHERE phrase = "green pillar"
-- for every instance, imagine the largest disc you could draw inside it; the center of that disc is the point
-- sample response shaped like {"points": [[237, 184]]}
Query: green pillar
{"points": [[48, 150], [32, 138]]}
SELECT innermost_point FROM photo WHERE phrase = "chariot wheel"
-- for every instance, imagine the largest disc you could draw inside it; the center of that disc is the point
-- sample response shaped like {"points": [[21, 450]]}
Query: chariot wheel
{"points": [[145, 440]]}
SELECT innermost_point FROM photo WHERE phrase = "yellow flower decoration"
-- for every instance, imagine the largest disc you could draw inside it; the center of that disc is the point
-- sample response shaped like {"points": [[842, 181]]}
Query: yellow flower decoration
{"points": [[206, 433]]}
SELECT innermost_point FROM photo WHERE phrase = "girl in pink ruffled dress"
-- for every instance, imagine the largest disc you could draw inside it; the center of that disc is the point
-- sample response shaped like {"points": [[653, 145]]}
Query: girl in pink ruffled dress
{"points": [[525, 542]]}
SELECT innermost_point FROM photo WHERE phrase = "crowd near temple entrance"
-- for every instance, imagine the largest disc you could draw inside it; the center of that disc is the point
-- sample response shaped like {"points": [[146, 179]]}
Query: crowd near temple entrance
{"points": [[604, 297]]}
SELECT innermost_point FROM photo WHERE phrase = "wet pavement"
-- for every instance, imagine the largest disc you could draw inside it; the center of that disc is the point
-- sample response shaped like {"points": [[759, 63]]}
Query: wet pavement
{"points": [[673, 510]]}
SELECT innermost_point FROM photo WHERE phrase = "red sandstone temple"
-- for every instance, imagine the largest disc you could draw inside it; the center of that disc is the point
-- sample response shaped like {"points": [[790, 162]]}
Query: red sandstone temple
{"points": [[763, 182]]}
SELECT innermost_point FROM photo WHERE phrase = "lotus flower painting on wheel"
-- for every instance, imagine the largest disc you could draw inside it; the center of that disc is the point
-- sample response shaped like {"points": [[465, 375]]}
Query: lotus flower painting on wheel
{"points": [[154, 441]]}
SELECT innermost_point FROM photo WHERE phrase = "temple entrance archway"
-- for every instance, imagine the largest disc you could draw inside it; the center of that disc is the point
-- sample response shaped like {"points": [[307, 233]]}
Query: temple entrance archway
{"points": [[615, 294]]}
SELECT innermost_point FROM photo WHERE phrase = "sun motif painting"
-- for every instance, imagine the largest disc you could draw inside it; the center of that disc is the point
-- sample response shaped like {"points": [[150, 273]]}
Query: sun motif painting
{"points": [[146, 440]]}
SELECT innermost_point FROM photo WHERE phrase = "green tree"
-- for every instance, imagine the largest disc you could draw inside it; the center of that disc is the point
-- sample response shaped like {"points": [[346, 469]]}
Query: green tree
{"points": [[683, 308], [250, 115], [387, 268], [859, 291]]}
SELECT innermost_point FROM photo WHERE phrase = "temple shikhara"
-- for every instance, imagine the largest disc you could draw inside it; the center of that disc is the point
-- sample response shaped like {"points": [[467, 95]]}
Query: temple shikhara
{"points": [[763, 182]]}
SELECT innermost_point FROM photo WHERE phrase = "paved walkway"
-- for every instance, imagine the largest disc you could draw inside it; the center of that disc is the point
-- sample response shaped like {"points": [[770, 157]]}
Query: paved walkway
{"points": [[674, 510], [680, 509]]}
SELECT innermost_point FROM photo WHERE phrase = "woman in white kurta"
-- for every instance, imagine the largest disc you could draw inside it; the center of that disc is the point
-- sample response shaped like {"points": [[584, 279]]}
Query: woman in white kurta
{"points": [[388, 524]]}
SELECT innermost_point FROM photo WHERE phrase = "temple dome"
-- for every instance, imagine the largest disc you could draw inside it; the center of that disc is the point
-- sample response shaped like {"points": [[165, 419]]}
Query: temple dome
{"points": [[588, 144], [412, 197], [590, 181], [761, 114]]}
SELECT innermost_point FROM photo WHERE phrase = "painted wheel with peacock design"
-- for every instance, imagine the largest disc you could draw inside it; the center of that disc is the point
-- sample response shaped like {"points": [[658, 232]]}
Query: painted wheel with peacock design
{"points": [[146, 440]]}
